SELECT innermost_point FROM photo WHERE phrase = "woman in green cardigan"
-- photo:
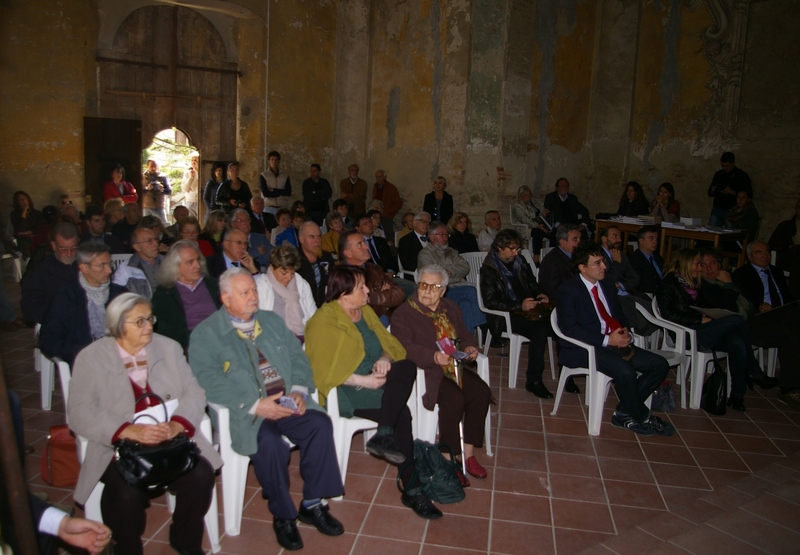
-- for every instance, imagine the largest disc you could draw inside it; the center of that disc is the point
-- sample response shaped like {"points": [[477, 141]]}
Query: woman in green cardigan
{"points": [[349, 349]]}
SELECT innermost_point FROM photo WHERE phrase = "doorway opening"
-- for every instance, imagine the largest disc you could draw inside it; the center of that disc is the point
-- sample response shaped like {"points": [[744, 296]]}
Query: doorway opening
{"points": [[179, 161]]}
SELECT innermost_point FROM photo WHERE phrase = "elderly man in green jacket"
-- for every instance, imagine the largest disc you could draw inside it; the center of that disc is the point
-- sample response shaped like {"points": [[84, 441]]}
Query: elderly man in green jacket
{"points": [[248, 361]]}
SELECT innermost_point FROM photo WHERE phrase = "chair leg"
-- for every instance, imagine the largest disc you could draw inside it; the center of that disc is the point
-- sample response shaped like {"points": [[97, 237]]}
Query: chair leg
{"points": [[696, 391], [551, 347], [560, 391], [514, 346], [47, 380], [487, 342], [212, 522], [343, 452], [598, 396], [234, 479]]}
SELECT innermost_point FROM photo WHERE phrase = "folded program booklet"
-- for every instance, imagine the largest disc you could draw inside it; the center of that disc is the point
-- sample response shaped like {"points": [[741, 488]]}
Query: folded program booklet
{"points": [[714, 313]]}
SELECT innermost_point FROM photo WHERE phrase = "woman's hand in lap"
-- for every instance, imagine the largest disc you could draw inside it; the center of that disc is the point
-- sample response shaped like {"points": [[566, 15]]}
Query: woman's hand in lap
{"points": [[382, 366]]}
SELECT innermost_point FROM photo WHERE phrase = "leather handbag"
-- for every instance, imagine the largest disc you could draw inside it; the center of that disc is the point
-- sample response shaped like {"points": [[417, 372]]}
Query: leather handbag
{"points": [[59, 464], [154, 467], [715, 390]]}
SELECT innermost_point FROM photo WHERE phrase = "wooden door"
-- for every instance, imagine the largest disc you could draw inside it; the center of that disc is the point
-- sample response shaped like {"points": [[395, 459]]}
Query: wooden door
{"points": [[108, 142]]}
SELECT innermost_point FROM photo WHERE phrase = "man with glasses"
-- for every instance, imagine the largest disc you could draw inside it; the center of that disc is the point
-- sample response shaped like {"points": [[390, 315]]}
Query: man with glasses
{"points": [[138, 274], [508, 285], [411, 245], [589, 311], [77, 315], [258, 246], [438, 252], [41, 282], [234, 255]]}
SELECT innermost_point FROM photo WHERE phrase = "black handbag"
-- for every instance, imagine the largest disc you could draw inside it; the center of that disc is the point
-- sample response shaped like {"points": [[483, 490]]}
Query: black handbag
{"points": [[663, 398], [715, 390], [154, 467]]}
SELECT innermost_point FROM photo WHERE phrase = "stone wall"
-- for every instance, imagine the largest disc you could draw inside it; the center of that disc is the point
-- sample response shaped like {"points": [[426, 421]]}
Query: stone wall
{"points": [[491, 94]]}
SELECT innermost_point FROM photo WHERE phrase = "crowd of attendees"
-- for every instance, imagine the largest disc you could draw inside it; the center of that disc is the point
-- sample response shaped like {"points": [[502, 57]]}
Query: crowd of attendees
{"points": [[266, 301]]}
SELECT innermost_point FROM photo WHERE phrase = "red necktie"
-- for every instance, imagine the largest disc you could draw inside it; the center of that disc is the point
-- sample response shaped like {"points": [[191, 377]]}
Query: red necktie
{"points": [[611, 324]]}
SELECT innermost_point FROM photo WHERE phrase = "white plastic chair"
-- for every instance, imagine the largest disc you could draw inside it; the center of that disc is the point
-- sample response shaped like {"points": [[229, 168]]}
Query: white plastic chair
{"points": [[475, 260], [16, 259], [699, 359], [523, 229], [405, 274], [46, 370], [597, 383], [343, 430], [428, 420], [117, 259]]}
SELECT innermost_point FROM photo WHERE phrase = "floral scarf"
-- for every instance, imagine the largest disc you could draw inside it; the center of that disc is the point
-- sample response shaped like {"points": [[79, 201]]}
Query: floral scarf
{"points": [[443, 327]]}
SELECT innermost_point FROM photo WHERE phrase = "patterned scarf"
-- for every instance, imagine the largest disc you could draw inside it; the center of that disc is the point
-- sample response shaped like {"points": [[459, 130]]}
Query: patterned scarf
{"points": [[442, 328], [690, 288], [97, 298], [507, 274], [289, 297]]}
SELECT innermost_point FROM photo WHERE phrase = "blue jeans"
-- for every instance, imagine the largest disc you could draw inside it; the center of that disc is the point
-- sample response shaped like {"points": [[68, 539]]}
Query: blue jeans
{"points": [[466, 297], [719, 217]]}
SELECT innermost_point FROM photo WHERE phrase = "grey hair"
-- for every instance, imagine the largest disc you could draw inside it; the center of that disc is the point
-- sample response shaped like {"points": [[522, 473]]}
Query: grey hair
{"points": [[129, 206], [436, 224], [118, 309], [524, 189], [89, 250], [227, 277], [750, 246], [434, 269], [562, 232], [486, 214], [418, 216], [375, 204], [236, 212], [169, 270]]}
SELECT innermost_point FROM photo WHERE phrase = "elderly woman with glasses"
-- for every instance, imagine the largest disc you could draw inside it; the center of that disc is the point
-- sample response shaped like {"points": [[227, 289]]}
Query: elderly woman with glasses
{"points": [[285, 293], [108, 381], [350, 349], [424, 319]]}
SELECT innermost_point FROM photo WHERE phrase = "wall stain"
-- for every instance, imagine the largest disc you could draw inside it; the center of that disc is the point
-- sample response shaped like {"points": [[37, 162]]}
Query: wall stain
{"points": [[392, 111], [436, 87]]}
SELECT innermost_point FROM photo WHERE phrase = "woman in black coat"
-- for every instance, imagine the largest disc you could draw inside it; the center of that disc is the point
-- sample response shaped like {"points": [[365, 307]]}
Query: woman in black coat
{"points": [[439, 203]]}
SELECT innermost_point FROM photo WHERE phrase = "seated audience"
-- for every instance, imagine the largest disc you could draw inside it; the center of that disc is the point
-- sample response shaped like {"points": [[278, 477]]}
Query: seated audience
{"points": [[96, 231], [41, 282], [409, 247], [678, 292], [25, 220], [464, 294], [379, 250], [285, 293], [377, 229], [418, 324], [186, 295], [508, 285], [340, 206], [556, 266], [493, 224], [315, 263], [108, 379], [290, 234], [179, 212], [665, 206], [112, 208], [122, 230], [260, 221], [117, 187], [76, 316], [439, 203], [162, 235], [233, 255], [284, 219], [350, 349], [408, 226], [633, 202], [461, 237], [647, 261], [565, 208], [139, 273], [264, 363], [189, 230], [216, 224], [532, 213], [588, 311], [353, 191], [744, 216], [330, 240], [258, 245]]}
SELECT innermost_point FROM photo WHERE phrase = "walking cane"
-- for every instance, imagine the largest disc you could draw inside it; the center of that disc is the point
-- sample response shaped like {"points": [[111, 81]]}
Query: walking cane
{"points": [[457, 365]]}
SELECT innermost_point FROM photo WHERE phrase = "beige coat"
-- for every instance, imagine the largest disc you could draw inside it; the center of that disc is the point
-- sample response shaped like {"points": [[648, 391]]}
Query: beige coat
{"points": [[101, 400]]}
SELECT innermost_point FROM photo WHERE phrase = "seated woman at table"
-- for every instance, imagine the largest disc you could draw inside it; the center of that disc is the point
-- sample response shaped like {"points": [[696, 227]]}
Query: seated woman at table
{"points": [[633, 202], [422, 320], [461, 237], [664, 205], [285, 293], [744, 215], [108, 378], [530, 211], [678, 292], [350, 349]]}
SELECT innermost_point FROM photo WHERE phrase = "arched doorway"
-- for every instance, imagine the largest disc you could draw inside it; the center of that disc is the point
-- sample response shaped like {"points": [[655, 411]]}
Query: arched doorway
{"points": [[173, 151]]}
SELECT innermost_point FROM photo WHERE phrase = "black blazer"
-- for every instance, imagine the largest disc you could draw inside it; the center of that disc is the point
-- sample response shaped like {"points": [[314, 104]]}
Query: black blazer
{"points": [[555, 269], [749, 282], [577, 318], [307, 273], [648, 277], [408, 249], [446, 212], [387, 259]]}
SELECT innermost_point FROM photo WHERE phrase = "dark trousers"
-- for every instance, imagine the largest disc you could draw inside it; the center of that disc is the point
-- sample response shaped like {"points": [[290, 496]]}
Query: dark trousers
{"points": [[537, 236], [471, 401], [394, 410], [730, 334], [123, 508], [634, 379], [312, 433], [537, 333], [778, 328]]}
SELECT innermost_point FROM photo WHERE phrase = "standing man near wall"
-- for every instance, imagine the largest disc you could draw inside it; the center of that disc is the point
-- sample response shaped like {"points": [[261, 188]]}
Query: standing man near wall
{"points": [[276, 188], [353, 190], [388, 194], [316, 194], [726, 183]]}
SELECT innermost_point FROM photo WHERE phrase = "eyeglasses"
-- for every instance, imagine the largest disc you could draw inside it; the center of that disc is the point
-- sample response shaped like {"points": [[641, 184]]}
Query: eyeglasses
{"points": [[512, 249], [440, 234], [434, 287], [423, 221], [101, 266], [597, 263], [142, 322], [240, 243]]}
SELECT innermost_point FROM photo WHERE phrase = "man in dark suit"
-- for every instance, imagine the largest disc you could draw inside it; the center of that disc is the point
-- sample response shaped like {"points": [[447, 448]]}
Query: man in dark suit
{"points": [[556, 267], [588, 310], [233, 255], [315, 264], [379, 249], [96, 231], [565, 208], [646, 261], [774, 321], [260, 221]]}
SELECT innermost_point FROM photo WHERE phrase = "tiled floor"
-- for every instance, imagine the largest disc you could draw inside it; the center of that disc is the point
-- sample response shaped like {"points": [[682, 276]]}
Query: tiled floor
{"points": [[722, 484]]}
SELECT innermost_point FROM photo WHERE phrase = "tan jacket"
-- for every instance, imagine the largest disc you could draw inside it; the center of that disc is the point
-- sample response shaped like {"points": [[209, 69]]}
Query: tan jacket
{"points": [[101, 401]]}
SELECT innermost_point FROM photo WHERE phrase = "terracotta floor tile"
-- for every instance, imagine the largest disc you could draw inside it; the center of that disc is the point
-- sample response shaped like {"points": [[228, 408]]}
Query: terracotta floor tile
{"points": [[760, 416], [739, 427], [783, 431], [521, 440], [681, 476], [718, 478], [625, 470], [521, 459], [577, 541], [790, 491], [395, 523], [752, 485], [626, 518], [516, 538], [527, 423], [567, 412], [566, 427], [611, 448], [632, 542], [569, 444], [776, 474], [361, 488], [666, 525], [705, 440], [680, 497], [634, 495], [581, 489], [366, 545], [749, 444], [774, 509], [693, 423], [529, 509], [520, 481], [439, 550], [668, 454], [573, 465], [519, 408], [459, 531], [757, 461], [578, 515], [727, 498], [477, 503], [705, 540], [715, 458]]}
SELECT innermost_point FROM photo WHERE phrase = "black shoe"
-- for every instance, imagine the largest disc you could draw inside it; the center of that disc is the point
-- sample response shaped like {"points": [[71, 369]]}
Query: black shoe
{"points": [[736, 403], [498, 343], [570, 386], [384, 447], [762, 380], [320, 516], [421, 504], [622, 420], [660, 427], [287, 534], [539, 390]]}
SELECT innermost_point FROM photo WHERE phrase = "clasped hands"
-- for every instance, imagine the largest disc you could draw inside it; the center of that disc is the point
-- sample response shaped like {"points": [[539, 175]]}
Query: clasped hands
{"points": [[152, 434], [620, 337], [530, 303]]}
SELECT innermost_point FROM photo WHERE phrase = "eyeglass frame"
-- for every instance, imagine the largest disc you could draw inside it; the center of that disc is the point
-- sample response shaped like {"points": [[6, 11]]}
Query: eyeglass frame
{"points": [[140, 322]]}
